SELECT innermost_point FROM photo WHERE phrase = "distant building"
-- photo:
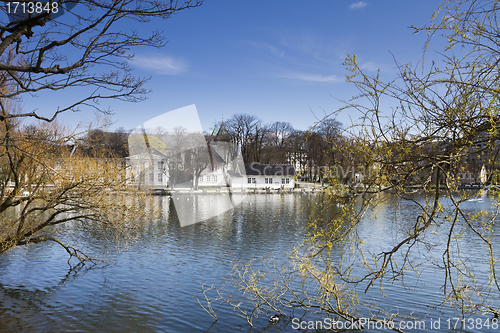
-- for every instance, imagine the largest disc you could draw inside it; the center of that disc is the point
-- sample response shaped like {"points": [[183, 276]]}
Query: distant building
{"points": [[221, 153], [186, 166], [262, 176], [149, 170], [214, 174], [220, 164]]}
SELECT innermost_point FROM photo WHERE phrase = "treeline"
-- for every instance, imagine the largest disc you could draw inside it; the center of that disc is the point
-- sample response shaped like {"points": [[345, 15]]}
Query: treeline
{"points": [[310, 150]]}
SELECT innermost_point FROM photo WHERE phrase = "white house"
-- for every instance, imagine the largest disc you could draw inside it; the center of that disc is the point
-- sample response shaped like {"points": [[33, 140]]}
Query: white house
{"points": [[220, 164], [149, 169], [264, 176], [223, 157], [214, 174]]}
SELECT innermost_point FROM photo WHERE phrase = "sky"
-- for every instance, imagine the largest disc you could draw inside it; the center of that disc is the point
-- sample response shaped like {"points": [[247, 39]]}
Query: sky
{"points": [[279, 60]]}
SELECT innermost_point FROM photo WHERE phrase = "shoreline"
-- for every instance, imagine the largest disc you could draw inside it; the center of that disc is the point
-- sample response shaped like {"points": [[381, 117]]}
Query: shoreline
{"points": [[230, 191]]}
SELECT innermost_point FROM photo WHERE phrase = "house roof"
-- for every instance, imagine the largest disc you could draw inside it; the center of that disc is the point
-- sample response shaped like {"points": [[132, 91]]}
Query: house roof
{"points": [[215, 158], [154, 151], [221, 134], [222, 130], [256, 169], [215, 131]]}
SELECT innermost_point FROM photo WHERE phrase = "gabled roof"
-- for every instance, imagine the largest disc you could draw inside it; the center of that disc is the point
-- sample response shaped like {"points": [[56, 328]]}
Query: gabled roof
{"points": [[215, 158], [222, 134], [149, 153], [222, 130], [215, 131], [256, 169], [154, 151]]}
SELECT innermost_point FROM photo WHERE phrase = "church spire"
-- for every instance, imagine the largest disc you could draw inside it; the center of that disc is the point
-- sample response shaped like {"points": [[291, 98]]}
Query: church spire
{"points": [[215, 131], [222, 134]]}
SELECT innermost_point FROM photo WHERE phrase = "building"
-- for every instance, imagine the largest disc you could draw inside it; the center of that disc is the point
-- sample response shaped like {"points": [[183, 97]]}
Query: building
{"points": [[264, 176], [218, 164], [222, 156], [214, 171], [149, 170]]}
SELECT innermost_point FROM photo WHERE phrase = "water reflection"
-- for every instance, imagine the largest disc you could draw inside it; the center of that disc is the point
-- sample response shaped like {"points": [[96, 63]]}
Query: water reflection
{"points": [[422, 289], [194, 208], [150, 285]]}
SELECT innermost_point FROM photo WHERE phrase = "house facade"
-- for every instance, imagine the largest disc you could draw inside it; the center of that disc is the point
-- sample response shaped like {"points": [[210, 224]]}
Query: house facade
{"points": [[264, 176], [220, 154], [215, 170], [149, 170]]}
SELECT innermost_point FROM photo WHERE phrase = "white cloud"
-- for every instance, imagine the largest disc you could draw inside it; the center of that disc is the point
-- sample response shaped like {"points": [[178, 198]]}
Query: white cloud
{"points": [[302, 56], [312, 77], [165, 65], [267, 47], [370, 66], [358, 5]]}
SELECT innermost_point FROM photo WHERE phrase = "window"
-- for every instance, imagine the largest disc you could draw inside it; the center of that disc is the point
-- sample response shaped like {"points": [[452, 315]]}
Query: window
{"points": [[254, 181], [200, 180], [151, 178], [285, 180], [268, 180], [249, 180], [160, 177], [214, 179]]}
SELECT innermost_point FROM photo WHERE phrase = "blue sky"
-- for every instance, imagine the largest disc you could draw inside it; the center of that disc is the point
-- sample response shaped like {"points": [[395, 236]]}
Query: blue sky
{"points": [[279, 60]]}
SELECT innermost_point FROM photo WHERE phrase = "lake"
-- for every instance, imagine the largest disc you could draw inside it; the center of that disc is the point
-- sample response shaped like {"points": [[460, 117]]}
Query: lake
{"points": [[152, 285]]}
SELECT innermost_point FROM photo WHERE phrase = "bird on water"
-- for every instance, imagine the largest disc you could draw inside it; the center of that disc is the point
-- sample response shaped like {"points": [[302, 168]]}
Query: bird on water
{"points": [[274, 319]]}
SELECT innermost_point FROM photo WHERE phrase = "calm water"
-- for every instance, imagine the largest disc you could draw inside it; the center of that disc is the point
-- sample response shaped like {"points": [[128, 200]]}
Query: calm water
{"points": [[152, 285]]}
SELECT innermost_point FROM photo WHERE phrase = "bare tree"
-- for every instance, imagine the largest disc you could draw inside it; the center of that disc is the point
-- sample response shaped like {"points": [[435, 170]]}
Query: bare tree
{"points": [[297, 155], [331, 132], [200, 155], [89, 48], [246, 132], [440, 117], [86, 54], [445, 116], [274, 145], [46, 182]]}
